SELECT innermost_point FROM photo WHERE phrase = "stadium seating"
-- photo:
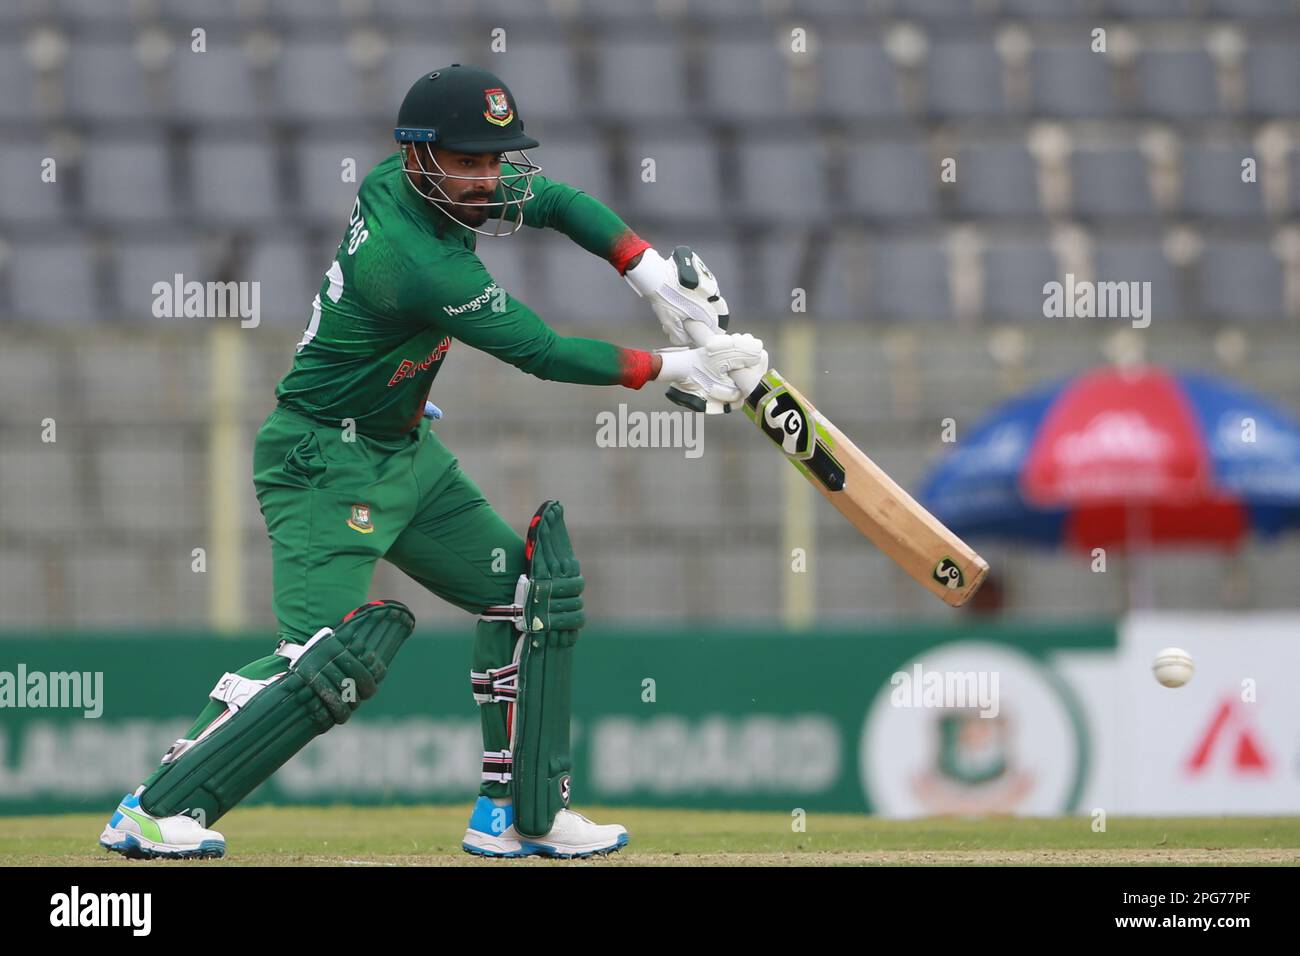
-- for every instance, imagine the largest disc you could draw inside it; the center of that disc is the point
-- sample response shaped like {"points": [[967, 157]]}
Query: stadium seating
{"points": [[1142, 260], [1240, 279], [233, 182], [747, 131], [1071, 81], [1015, 271], [54, 280], [858, 80], [639, 78], [106, 81], [964, 79], [136, 264], [890, 181], [129, 180], [1272, 77], [218, 85], [1177, 83], [41, 202], [1212, 183], [908, 280], [1111, 184], [286, 280], [997, 181], [687, 180], [18, 81], [783, 178]]}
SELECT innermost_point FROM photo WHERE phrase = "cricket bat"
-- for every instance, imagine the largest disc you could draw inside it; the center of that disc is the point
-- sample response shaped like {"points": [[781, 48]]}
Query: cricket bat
{"points": [[890, 518]]}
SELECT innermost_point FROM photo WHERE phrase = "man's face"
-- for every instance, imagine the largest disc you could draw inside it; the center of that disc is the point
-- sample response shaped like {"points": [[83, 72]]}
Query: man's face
{"points": [[470, 178]]}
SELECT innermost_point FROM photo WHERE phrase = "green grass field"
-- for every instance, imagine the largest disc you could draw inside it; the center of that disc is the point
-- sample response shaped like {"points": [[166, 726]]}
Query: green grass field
{"points": [[430, 836]]}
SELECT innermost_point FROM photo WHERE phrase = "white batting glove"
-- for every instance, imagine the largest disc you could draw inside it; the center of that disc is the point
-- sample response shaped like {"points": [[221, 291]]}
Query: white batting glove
{"points": [[683, 294], [701, 378]]}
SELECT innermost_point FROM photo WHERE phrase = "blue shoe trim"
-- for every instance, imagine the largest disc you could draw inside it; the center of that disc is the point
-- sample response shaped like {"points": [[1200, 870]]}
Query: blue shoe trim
{"points": [[554, 854], [130, 801], [129, 846], [485, 817], [479, 851]]}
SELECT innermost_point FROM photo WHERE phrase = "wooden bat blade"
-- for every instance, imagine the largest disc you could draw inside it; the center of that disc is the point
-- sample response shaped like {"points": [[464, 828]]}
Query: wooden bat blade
{"points": [[861, 491]]}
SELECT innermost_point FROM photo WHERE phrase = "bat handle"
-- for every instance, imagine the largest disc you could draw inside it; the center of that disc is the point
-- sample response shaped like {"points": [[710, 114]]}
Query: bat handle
{"points": [[432, 411], [747, 379]]}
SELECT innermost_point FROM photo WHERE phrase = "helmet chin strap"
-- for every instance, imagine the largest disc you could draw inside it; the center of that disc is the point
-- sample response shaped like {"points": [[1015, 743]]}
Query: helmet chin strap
{"points": [[444, 203]]}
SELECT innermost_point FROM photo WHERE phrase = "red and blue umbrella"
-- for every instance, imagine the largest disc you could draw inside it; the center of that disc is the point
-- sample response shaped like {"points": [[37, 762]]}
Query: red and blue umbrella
{"points": [[1141, 456]]}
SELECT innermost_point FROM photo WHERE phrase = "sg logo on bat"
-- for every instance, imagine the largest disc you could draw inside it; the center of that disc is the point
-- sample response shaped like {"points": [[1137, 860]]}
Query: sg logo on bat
{"points": [[786, 422], [947, 573]]}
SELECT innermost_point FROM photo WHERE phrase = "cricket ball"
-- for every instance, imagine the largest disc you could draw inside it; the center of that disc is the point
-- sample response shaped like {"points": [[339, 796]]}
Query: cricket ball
{"points": [[1173, 667]]}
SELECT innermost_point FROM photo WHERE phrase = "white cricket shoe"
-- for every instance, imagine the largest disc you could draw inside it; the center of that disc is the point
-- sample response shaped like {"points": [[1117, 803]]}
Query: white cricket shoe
{"points": [[492, 832], [142, 836]]}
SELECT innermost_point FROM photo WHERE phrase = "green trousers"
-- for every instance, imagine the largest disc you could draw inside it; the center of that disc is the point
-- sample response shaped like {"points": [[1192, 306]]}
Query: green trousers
{"points": [[333, 507]]}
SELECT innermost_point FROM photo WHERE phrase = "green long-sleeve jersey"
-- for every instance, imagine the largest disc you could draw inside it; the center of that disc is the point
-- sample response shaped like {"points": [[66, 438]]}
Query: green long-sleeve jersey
{"points": [[406, 283]]}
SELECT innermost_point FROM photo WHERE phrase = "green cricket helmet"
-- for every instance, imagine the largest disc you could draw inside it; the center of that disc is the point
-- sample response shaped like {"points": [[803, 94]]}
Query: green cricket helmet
{"points": [[467, 110]]}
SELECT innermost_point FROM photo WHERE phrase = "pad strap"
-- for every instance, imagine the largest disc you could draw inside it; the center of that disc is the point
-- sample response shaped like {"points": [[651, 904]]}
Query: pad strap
{"points": [[177, 748], [235, 691], [498, 766], [494, 684], [513, 612], [232, 690], [295, 651]]}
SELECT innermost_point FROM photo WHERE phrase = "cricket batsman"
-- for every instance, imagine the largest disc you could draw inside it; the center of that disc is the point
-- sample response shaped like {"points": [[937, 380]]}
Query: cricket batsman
{"points": [[347, 471]]}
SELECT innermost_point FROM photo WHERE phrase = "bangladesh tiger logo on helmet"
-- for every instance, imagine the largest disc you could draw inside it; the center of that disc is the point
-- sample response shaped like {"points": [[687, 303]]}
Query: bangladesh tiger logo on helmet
{"points": [[498, 109]]}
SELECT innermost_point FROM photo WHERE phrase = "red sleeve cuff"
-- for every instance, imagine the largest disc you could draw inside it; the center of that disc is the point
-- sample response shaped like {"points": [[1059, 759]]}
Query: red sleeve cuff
{"points": [[626, 248], [635, 367]]}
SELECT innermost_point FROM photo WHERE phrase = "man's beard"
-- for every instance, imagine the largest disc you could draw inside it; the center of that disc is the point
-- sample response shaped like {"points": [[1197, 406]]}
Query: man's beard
{"points": [[471, 215]]}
